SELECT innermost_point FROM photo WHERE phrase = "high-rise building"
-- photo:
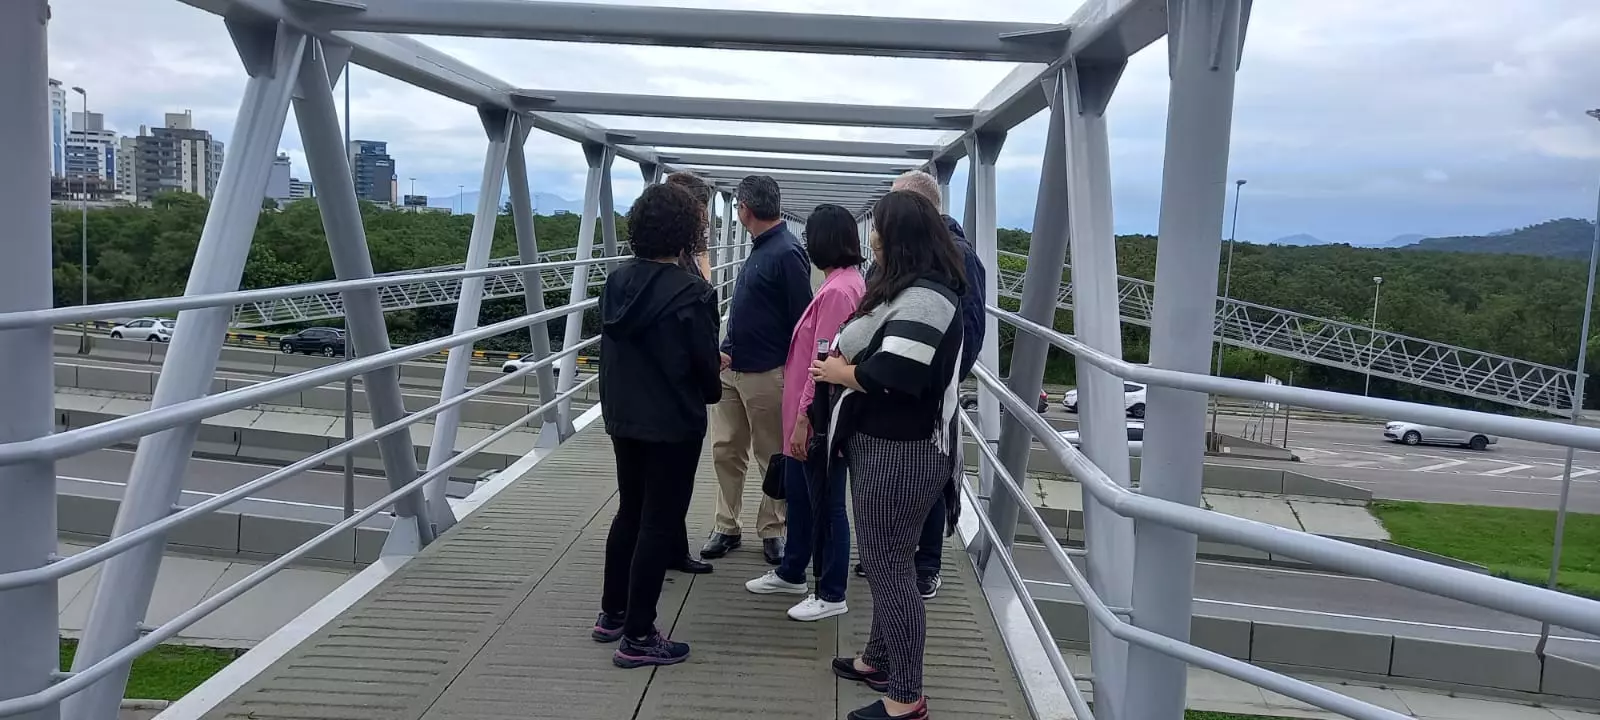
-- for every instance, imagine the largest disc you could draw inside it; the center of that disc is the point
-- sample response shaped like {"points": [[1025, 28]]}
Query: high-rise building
{"points": [[373, 170], [177, 157], [301, 189], [58, 129], [127, 174], [92, 150], [278, 180]]}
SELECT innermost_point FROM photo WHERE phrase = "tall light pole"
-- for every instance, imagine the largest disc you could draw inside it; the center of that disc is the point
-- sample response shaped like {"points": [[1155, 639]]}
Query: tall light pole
{"points": [[83, 242], [459, 190], [413, 187], [1377, 287], [1227, 290], [1577, 414]]}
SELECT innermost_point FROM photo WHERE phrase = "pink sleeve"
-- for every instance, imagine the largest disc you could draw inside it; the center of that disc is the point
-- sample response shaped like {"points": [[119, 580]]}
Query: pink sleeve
{"points": [[833, 308]]}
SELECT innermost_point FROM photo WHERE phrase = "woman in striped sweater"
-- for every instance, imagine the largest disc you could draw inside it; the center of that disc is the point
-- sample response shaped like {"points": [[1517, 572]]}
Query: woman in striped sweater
{"points": [[897, 360]]}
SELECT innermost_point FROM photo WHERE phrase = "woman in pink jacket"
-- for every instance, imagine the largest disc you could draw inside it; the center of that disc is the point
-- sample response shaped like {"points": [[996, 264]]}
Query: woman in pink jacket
{"points": [[834, 246]]}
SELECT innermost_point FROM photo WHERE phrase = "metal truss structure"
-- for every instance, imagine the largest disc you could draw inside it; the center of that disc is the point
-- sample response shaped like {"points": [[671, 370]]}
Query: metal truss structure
{"points": [[1140, 547]]}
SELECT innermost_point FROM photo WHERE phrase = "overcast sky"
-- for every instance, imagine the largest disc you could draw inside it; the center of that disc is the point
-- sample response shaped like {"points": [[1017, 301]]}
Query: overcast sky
{"points": [[1356, 120]]}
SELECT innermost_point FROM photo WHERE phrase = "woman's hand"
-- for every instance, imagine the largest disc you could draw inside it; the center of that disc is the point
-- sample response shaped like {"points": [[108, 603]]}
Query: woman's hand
{"points": [[800, 439], [835, 370]]}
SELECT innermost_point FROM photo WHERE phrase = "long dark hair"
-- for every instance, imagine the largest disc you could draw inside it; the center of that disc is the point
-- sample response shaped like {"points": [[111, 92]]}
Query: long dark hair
{"points": [[914, 244], [832, 239]]}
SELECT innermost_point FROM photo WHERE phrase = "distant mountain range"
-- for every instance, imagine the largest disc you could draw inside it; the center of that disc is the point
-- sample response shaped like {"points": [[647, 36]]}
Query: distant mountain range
{"points": [[1565, 238], [543, 203]]}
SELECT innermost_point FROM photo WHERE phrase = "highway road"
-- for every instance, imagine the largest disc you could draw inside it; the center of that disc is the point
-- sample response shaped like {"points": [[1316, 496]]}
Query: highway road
{"points": [[217, 476], [1326, 600]]}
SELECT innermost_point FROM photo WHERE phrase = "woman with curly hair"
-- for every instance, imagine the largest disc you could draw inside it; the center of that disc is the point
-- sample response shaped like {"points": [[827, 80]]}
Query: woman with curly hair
{"points": [[698, 257], [659, 369]]}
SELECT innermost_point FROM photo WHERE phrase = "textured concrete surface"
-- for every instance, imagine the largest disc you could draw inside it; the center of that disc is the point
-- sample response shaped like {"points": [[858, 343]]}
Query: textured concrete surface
{"points": [[493, 621]]}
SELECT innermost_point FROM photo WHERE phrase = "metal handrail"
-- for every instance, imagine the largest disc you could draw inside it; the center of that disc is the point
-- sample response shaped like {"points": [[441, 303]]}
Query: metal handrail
{"points": [[100, 435], [1106, 617], [83, 678], [80, 313], [122, 543]]}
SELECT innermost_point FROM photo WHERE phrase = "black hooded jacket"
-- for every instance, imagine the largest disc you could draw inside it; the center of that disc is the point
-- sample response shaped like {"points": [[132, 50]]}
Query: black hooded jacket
{"points": [[659, 364]]}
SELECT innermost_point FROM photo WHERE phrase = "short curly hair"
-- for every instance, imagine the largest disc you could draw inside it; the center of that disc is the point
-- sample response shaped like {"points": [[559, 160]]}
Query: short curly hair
{"points": [[663, 222], [696, 185]]}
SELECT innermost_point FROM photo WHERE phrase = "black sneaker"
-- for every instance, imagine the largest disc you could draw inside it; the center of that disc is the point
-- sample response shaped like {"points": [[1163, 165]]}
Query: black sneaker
{"points": [[876, 711], [845, 668], [649, 652], [693, 566], [719, 545], [860, 571], [607, 629], [928, 586]]}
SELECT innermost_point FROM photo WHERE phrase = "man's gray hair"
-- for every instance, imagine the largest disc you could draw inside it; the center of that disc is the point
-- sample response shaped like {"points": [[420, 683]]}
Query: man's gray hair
{"points": [[760, 194], [920, 183]]}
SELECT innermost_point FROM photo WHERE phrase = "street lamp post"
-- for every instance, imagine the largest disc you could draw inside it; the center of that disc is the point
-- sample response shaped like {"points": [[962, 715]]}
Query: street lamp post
{"points": [[413, 187], [1377, 287], [1577, 414], [83, 242], [1227, 290], [459, 189]]}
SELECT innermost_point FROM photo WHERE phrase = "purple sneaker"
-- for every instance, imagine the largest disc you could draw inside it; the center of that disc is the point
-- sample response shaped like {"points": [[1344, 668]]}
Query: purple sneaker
{"points": [[607, 629], [651, 651]]}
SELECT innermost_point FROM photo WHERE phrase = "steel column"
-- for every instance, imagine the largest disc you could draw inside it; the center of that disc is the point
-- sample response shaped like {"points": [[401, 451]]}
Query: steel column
{"points": [[725, 237], [328, 163], [983, 151], [599, 158], [28, 489], [1097, 322], [498, 125], [1203, 40], [1040, 289], [651, 172], [943, 168], [271, 53], [550, 431], [608, 216]]}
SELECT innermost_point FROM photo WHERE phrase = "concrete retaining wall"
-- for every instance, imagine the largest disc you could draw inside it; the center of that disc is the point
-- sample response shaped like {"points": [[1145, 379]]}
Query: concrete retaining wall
{"points": [[1367, 656], [1218, 476]]}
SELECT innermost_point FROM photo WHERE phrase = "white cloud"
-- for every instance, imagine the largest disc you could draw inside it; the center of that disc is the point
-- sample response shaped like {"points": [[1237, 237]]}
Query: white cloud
{"points": [[1355, 120]]}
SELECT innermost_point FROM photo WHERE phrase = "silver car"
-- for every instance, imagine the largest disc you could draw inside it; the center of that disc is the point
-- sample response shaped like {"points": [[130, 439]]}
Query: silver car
{"points": [[1415, 434]]}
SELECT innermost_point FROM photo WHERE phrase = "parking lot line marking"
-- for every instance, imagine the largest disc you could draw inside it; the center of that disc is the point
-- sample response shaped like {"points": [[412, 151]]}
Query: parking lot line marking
{"points": [[1357, 464], [1441, 466], [1522, 492], [1505, 470]]}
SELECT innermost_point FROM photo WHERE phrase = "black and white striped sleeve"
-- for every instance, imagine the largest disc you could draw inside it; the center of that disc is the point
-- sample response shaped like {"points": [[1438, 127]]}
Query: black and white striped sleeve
{"points": [[914, 325]]}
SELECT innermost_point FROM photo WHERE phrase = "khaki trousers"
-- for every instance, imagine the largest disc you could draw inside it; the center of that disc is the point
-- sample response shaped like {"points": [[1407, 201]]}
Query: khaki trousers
{"points": [[748, 418]]}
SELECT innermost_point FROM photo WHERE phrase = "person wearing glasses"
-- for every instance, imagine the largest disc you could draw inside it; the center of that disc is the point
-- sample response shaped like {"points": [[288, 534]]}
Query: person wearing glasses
{"points": [[770, 294], [898, 359]]}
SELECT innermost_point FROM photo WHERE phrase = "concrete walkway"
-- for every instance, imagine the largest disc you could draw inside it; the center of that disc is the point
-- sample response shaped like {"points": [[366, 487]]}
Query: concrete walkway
{"points": [[1321, 516]]}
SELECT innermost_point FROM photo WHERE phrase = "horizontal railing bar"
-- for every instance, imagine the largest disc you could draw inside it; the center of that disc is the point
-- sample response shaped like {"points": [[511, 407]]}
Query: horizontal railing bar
{"points": [[100, 435], [116, 546], [82, 678], [1509, 596], [1106, 616], [1545, 431], [78, 313]]}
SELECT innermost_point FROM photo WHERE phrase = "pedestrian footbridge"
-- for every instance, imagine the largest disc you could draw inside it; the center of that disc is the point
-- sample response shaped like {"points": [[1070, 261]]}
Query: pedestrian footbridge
{"points": [[480, 609]]}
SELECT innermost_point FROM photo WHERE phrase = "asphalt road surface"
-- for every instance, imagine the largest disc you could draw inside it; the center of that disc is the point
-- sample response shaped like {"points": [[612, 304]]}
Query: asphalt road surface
{"points": [[1326, 600], [217, 476]]}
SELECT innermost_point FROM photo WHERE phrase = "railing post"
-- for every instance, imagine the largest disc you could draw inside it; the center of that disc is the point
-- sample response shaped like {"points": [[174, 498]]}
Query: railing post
{"points": [[497, 124], [725, 239], [983, 151], [550, 430], [1097, 322], [271, 53], [1041, 289], [1203, 40], [28, 489], [599, 158], [328, 162]]}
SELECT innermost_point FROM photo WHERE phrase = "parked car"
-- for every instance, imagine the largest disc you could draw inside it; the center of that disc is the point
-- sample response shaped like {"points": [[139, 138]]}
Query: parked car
{"points": [[1132, 400], [1415, 434], [1135, 437], [969, 402], [152, 329], [327, 342]]}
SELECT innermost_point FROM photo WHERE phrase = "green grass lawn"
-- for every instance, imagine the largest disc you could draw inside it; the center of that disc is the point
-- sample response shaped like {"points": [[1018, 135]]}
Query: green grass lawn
{"points": [[168, 672], [1511, 542]]}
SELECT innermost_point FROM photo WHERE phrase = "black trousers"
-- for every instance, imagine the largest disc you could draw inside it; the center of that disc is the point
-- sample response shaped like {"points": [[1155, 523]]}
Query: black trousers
{"points": [[654, 483]]}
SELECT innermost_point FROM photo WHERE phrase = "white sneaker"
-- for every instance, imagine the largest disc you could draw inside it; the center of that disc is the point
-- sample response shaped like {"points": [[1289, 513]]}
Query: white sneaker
{"points": [[771, 584], [813, 609]]}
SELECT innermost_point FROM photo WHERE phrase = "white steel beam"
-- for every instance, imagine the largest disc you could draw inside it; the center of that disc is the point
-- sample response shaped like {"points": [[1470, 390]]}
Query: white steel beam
{"points": [[734, 176], [750, 143], [703, 28], [772, 111], [785, 163]]}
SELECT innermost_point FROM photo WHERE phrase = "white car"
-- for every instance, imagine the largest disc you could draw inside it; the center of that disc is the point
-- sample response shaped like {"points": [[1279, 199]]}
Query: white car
{"points": [[1135, 437], [1415, 434], [152, 329], [515, 364], [1132, 400]]}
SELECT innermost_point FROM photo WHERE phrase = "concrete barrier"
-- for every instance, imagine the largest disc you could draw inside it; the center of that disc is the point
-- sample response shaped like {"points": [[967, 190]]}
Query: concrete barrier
{"points": [[1372, 657]]}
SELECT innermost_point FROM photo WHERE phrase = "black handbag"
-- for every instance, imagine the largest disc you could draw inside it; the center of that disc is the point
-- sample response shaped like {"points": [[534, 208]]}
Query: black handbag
{"points": [[772, 482]]}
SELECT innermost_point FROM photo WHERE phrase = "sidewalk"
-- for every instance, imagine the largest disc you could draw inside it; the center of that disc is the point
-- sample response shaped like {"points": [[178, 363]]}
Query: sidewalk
{"points": [[1320, 516], [186, 581]]}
